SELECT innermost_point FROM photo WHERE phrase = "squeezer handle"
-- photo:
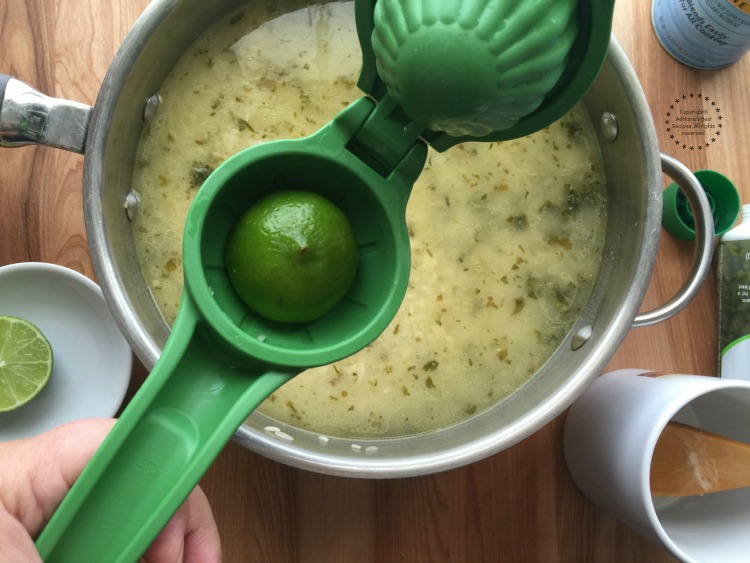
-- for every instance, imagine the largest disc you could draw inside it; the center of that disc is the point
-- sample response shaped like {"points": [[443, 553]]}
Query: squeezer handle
{"points": [[165, 440]]}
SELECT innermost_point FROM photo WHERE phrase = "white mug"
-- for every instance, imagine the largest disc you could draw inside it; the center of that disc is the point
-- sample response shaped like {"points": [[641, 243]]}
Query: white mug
{"points": [[609, 439]]}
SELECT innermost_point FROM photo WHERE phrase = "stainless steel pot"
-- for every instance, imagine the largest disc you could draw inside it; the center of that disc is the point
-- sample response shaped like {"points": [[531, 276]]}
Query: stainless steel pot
{"points": [[108, 134]]}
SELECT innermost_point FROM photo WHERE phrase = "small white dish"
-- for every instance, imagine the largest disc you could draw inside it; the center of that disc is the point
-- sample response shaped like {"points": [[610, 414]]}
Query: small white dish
{"points": [[92, 361]]}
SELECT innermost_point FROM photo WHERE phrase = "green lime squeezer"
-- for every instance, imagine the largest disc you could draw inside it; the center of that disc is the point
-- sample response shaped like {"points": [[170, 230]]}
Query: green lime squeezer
{"points": [[435, 74]]}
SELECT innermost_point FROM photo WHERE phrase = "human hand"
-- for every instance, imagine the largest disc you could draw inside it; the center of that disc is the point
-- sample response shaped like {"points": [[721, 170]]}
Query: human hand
{"points": [[37, 472]]}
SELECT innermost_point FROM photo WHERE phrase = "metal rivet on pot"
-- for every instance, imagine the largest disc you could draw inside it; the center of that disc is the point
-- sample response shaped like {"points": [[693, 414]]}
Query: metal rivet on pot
{"points": [[151, 108], [581, 336], [132, 201], [608, 126]]}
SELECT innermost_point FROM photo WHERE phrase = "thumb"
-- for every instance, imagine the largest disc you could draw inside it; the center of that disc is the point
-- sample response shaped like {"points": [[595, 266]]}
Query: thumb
{"points": [[37, 472]]}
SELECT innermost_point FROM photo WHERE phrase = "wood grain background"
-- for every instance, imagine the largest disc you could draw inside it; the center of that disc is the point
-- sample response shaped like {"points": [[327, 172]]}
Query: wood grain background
{"points": [[519, 505]]}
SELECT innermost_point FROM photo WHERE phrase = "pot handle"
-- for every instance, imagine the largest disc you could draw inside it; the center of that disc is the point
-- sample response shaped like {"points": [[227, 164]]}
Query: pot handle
{"points": [[704, 243], [28, 117]]}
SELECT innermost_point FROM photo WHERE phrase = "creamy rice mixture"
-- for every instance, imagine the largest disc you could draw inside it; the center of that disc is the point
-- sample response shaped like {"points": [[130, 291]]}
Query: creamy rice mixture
{"points": [[506, 237]]}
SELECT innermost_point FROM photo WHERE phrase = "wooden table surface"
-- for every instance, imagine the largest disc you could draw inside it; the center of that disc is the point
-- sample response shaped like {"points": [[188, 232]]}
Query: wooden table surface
{"points": [[519, 505]]}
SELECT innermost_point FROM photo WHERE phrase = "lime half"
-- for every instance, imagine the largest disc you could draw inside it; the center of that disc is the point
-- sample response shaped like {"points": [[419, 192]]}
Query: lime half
{"points": [[25, 362]]}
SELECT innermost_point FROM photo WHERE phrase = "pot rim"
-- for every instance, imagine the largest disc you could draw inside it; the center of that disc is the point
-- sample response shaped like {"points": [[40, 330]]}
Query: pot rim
{"points": [[305, 449]]}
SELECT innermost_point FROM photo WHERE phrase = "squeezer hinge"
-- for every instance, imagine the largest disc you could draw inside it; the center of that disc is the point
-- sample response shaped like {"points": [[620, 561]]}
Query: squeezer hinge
{"points": [[387, 137]]}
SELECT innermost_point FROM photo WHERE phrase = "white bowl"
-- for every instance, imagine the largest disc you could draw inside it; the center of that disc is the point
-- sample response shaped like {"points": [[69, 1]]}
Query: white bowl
{"points": [[92, 361]]}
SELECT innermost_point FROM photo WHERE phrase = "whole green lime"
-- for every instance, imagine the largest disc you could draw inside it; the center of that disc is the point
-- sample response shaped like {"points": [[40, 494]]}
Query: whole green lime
{"points": [[292, 256]]}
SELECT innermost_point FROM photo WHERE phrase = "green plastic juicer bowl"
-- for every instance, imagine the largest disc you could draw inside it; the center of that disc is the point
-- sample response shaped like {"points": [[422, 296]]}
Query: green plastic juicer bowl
{"points": [[221, 359]]}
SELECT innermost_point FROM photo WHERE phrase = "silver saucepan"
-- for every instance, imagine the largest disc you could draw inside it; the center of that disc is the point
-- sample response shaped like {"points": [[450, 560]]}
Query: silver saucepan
{"points": [[109, 132]]}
